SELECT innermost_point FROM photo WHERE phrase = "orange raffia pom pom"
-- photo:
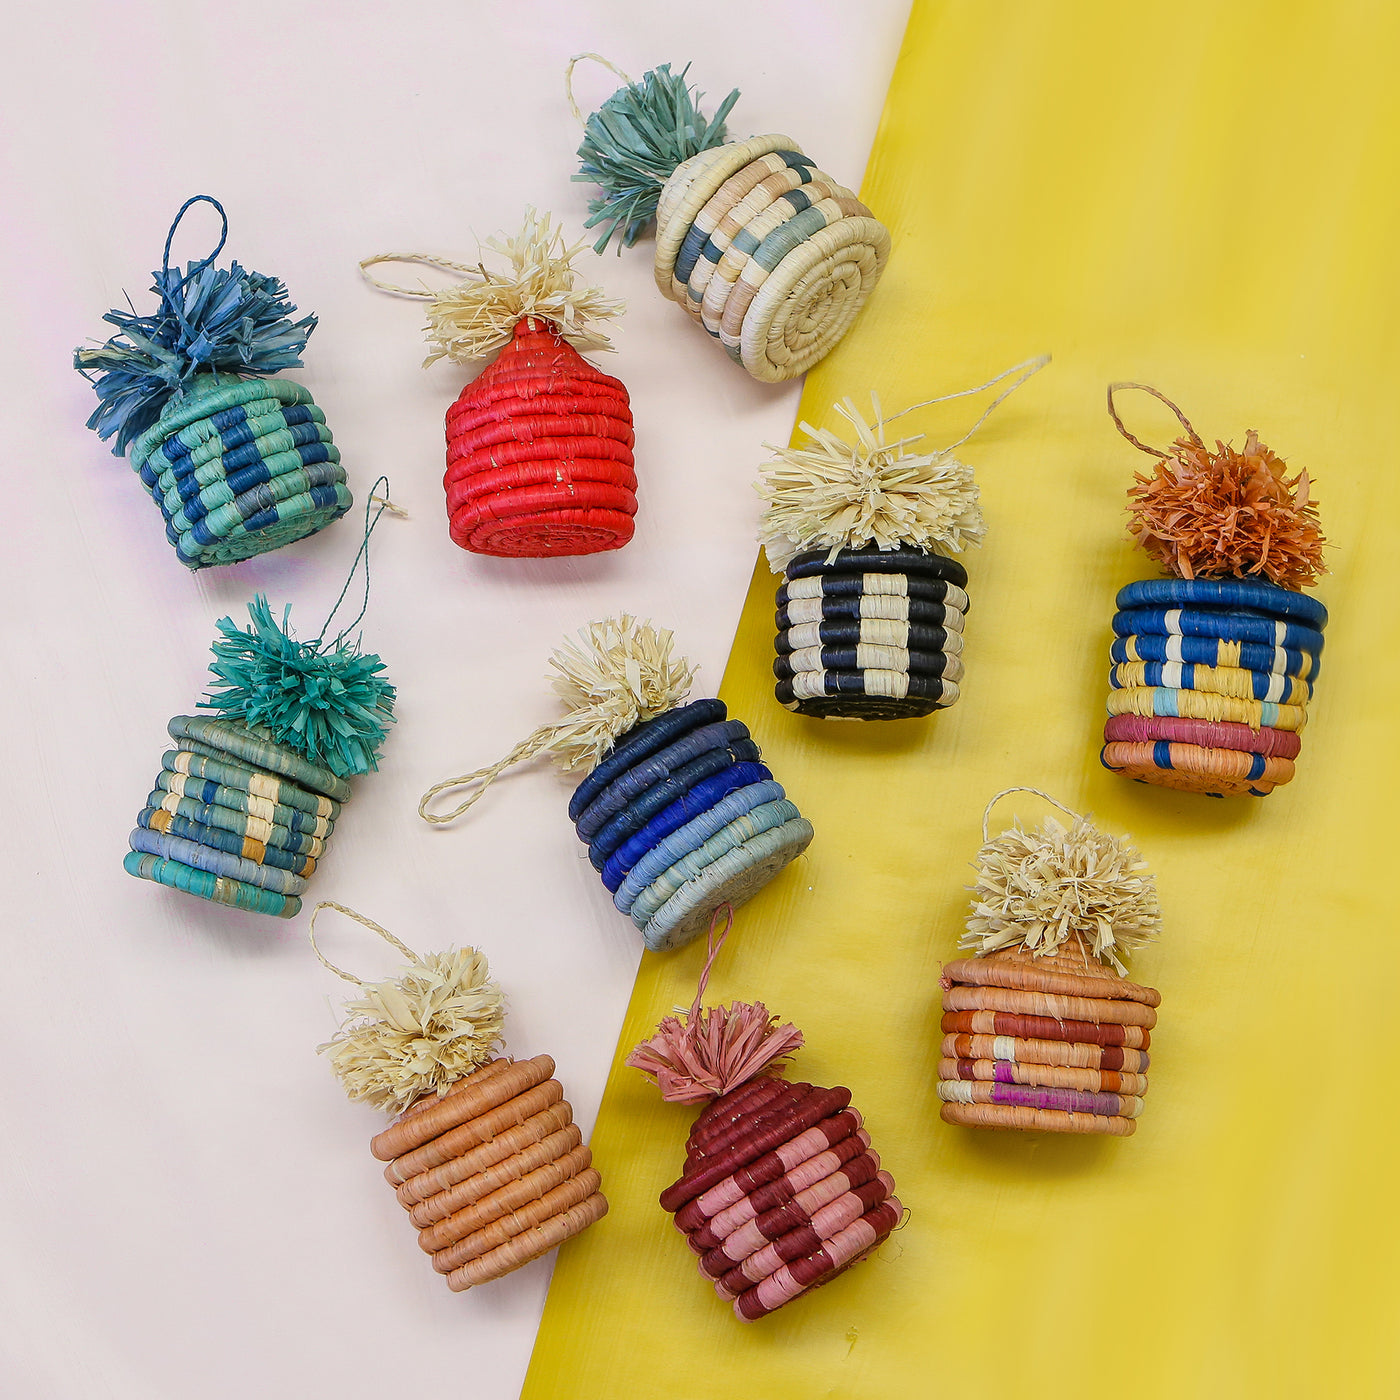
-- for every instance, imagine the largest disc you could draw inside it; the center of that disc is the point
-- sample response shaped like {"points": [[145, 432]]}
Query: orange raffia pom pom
{"points": [[1228, 514]]}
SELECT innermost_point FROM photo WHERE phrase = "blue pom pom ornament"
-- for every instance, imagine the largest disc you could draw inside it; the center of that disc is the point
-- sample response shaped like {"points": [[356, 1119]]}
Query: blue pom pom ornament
{"points": [[238, 463]]}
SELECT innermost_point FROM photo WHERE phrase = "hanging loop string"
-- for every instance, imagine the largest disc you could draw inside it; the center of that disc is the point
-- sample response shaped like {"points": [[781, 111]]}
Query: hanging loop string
{"points": [[1156, 394], [359, 919], [170, 294], [525, 749], [423, 293], [569, 81], [712, 947], [1025, 369], [1006, 792], [384, 503]]}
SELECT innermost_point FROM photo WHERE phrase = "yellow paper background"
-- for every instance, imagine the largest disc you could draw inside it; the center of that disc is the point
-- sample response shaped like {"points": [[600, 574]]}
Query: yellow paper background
{"points": [[1203, 196]]}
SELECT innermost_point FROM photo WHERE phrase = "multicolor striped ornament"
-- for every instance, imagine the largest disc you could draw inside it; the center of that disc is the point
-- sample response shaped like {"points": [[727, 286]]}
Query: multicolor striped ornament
{"points": [[781, 1189], [772, 257], [871, 610], [238, 463], [484, 1154], [1042, 1028], [1230, 643], [678, 811], [246, 800], [539, 445]]}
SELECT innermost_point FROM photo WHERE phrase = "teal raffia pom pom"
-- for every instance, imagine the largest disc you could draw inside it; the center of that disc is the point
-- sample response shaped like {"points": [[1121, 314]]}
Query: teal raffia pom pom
{"points": [[210, 320], [328, 702], [633, 142]]}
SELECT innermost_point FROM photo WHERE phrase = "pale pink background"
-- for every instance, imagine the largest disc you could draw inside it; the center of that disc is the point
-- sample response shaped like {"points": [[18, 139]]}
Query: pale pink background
{"points": [[187, 1204]]}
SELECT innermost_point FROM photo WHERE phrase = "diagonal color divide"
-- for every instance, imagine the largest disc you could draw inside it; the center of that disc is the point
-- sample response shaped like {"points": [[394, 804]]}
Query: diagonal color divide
{"points": [[1202, 197]]}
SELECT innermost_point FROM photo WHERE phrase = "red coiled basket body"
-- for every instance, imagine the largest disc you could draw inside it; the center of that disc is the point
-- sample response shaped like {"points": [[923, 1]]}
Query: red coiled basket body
{"points": [[539, 454]]}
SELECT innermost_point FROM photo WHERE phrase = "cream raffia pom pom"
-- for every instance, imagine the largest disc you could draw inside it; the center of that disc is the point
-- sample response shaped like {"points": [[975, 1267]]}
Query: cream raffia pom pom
{"points": [[418, 1032], [1039, 889], [478, 315], [841, 494], [470, 320], [619, 673]]}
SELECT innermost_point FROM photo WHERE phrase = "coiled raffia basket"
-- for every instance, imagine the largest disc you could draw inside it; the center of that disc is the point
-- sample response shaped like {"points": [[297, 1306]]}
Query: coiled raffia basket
{"points": [[1055, 1043], [539, 453], [494, 1173]]}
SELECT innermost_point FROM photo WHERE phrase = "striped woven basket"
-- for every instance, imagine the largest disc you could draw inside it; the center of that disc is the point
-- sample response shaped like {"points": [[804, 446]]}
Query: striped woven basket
{"points": [[235, 818], [241, 467], [781, 1190], [238, 461], [772, 257], [871, 634], [1213, 667], [1055, 1043]]}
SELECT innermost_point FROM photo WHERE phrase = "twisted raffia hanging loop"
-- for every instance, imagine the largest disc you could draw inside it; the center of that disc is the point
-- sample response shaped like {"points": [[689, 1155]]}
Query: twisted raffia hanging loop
{"points": [[423, 293], [712, 949], [1006, 792], [569, 81], [525, 749], [168, 292], [367, 923], [1024, 371], [1156, 394]]}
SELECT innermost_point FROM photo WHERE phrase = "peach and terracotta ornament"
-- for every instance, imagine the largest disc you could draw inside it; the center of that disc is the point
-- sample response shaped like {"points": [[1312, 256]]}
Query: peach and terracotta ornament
{"points": [[1042, 1030], [484, 1154]]}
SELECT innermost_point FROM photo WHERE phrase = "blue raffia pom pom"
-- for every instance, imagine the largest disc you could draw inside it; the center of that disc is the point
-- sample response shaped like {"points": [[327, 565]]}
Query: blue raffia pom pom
{"points": [[332, 706], [633, 142], [219, 319]]}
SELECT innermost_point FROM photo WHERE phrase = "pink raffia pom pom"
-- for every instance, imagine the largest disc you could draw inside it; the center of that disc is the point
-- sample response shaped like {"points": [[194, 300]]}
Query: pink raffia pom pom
{"points": [[705, 1055], [710, 1051]]}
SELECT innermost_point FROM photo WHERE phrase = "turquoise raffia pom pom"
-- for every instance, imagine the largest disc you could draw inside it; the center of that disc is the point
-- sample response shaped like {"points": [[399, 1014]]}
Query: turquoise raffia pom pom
{"points": [[633, 142], [332, 706]]}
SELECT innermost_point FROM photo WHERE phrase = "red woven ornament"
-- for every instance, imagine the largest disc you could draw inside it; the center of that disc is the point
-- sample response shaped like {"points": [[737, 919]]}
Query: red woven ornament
{"points": [[539, 445], [539, 453], [781, 1190]]}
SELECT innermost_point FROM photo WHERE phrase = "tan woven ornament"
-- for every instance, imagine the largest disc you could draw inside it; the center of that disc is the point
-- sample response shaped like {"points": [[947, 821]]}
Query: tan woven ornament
{"points": [[484, 1155], [1042, 1028], [769, 255]]}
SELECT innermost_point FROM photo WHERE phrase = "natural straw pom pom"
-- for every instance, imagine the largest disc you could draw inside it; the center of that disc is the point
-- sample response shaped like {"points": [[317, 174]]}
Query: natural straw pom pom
{"points": [[1039, 889], [834, 493], [618, 673], [479, 315], [419, 1032], [1228, 514]]}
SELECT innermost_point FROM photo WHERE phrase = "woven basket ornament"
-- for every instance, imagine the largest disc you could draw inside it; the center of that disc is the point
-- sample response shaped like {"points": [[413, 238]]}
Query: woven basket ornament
{"points": [[1213, 666], [1042, 1030], [484, 1154], [770, 255], [679, 813], [539, 445], [246, 799], [238, 462], [871, 608], [781, 1189]]}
